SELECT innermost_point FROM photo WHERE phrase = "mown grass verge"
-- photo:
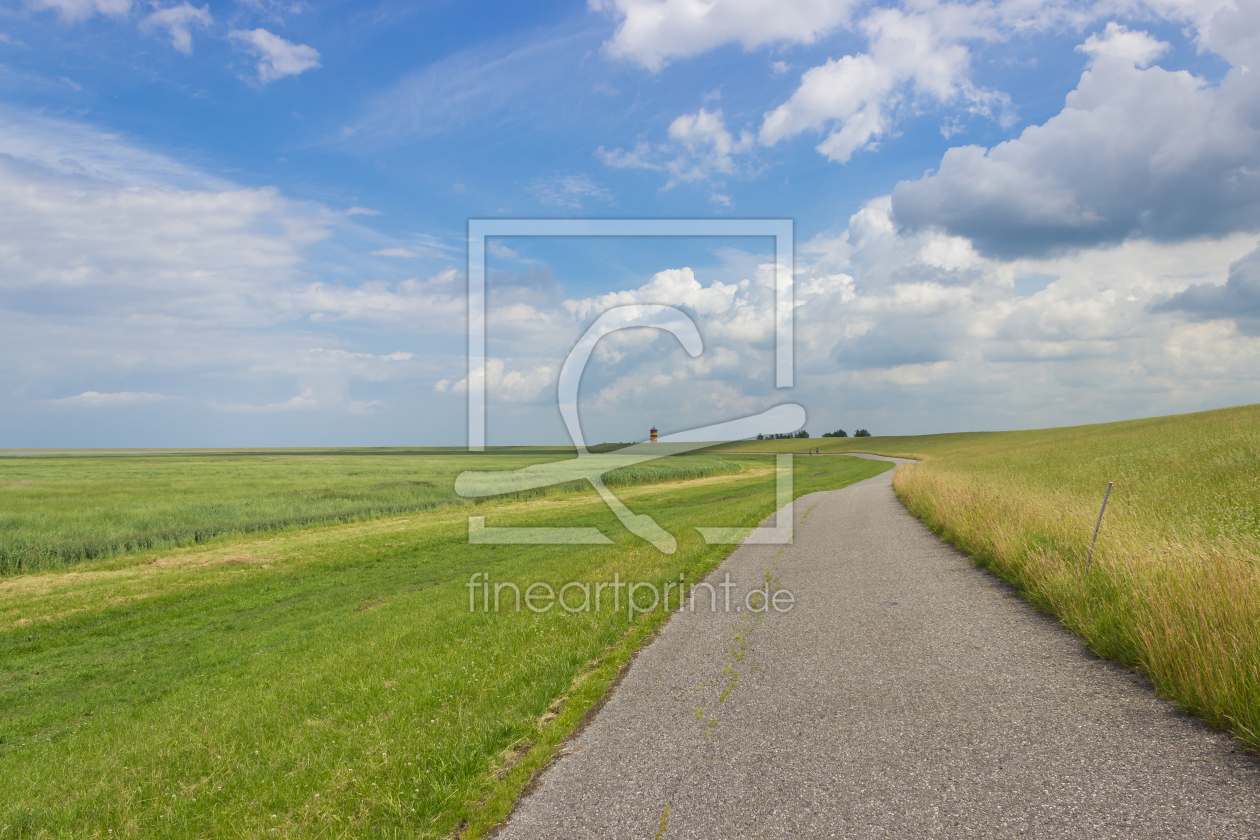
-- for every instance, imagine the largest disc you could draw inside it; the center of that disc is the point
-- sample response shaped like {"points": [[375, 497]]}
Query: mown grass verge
{"points": [[331, 681], [1173, 589]]}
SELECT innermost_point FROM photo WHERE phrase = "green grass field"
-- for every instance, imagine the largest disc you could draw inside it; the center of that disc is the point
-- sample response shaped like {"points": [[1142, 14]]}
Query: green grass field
{"points": [[1173, 588], [59, 510], [324, 681]]}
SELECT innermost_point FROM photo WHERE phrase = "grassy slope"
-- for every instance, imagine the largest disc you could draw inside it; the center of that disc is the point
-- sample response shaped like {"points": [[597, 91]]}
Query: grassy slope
{"points": [[1173, 588], [330, 681], [59, 510]]}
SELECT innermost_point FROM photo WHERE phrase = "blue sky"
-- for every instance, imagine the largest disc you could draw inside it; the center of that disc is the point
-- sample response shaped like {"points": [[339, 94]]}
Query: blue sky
{"points": [[242, 223]]}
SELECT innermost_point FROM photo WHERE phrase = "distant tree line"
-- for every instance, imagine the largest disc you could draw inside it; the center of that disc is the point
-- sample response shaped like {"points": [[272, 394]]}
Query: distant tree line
{"points": [[843, 433], [801, 434]]}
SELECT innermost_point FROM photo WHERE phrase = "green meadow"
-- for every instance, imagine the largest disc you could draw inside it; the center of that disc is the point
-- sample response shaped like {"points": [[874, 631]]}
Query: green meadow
{"points": [[281, 645], [1173, 587], [59, 510]]}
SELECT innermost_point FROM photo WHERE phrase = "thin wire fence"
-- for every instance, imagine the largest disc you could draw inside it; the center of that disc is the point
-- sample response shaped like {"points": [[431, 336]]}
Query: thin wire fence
{"points": [[1101, 487]]}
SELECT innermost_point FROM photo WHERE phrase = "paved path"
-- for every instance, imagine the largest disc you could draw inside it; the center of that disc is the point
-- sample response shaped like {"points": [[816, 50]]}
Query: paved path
{"points": [[907, 695]]}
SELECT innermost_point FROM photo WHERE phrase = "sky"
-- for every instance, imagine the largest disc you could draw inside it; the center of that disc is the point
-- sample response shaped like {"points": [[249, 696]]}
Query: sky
{"points": [[244, 223]]}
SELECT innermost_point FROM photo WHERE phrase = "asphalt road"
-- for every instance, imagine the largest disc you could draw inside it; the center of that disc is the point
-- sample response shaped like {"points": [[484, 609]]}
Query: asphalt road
{"points": [[906, 694]]}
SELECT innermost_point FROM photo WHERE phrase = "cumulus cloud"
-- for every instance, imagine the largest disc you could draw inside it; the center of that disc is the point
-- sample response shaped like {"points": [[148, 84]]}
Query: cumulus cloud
{"points": [[1118, 41], [277, 57], [709, 145], [178, 22], [652, 32], [1135, 153], [933, 326], [1238, 299], [855, 95], [913, 58], [700, 146], [918, 56], [523, 384]]}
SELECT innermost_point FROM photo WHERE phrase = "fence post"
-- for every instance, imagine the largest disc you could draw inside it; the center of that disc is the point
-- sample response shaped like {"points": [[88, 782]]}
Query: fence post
{"points": [[1101, 511]]}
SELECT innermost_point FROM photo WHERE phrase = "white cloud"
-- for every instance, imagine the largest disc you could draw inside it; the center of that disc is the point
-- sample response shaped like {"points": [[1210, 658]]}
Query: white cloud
{"points": [[140, 249], [639, 370], [178, 22], [498, 249], [941, 332], [652, 32], [1238, 299], [484, 82], [422, 245], [1117, 41], [110, 278], [915, 58], [708, 144], [916, 331], [642, 156], [436, 305], [570, 191], [94, 399], [304, 401], [367, 407], [522, 384], [69, 148], [856, 95], [76, 10], [362, 211], [1134, 153], [277, 57], [700, 146], [1215, 23]]}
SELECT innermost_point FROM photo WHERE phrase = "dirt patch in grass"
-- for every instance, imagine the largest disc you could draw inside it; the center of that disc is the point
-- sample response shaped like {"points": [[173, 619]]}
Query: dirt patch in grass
{"points": [[189, 561]]}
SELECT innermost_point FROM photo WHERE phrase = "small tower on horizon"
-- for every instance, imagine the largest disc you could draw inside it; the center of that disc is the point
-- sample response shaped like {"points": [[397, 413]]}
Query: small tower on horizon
{"points": [[653, 434]]}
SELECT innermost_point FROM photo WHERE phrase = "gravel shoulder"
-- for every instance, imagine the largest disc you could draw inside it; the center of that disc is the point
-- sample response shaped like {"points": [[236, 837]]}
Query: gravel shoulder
{"points": [[906, 694]]}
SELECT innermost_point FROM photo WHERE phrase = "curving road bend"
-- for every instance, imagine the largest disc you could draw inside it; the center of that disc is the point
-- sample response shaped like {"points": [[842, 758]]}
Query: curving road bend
{"points": [[906, 695]]}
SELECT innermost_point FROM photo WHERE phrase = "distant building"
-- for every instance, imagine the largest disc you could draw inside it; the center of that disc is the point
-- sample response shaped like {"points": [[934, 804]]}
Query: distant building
{"points": [[653, 434]]}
